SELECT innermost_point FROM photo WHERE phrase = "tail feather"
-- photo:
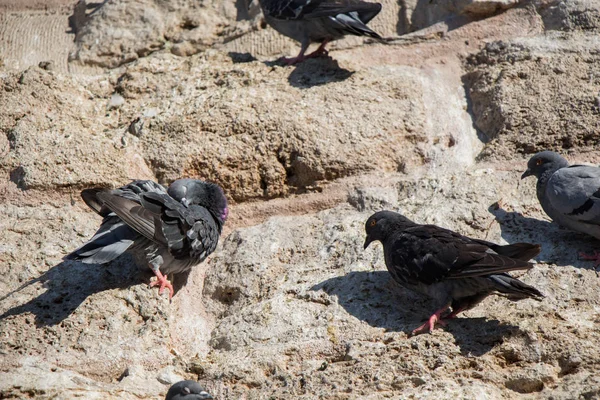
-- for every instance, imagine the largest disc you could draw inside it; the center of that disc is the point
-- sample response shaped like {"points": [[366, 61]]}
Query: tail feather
{"points": [[90, 198], [368, 12], [352, 23], [520, 251], [514, 289], [112, 239]]}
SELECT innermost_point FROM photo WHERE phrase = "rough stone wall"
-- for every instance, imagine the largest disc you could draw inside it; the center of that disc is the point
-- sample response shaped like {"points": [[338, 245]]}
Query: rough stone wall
{"points": [[437, 124]]}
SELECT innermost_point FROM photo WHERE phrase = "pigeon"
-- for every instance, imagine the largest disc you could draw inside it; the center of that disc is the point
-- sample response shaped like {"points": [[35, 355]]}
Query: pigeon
{"points": [[322, 21], [187, 390], [169, 230], [455, 270], [569, 194]]}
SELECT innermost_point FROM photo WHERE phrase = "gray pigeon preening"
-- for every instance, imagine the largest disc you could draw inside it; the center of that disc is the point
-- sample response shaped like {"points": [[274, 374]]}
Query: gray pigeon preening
{"points": [[169, 230], [569, 194], [455, 270], [187, 390], [320, 21]]}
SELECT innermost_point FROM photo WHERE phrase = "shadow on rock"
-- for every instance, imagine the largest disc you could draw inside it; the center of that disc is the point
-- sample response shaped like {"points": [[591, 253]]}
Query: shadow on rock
{"points": [[70, 283], [316, 72], [559, 246], [240, 58], [468, 81], [375, 298]]}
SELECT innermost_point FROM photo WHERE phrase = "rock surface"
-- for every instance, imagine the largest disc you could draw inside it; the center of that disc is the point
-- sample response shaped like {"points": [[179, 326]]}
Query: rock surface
{"points": [[437, 124], [519, 104]]}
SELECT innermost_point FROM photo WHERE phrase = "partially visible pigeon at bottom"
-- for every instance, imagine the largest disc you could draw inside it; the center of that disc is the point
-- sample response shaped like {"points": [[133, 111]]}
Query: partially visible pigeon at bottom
{"points": [[187, 390], [168, 230], [455, 270]]}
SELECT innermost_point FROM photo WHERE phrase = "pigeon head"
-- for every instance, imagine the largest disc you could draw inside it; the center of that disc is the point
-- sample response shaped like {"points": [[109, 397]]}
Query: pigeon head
{"points": [[187, 390], [543, 162], [205, 194], [381, 224]]}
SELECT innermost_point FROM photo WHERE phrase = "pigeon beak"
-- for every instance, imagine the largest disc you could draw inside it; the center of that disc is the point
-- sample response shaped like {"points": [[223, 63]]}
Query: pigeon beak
{"points": [[368, 241], [526, 174]]}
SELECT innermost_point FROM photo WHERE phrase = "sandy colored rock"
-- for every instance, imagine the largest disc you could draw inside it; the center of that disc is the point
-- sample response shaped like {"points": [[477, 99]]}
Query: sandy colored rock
{"points": [[518, 97], [258, 131], [295, 318], [485, 7], [290, 305], [576, 15], [56, 135]]}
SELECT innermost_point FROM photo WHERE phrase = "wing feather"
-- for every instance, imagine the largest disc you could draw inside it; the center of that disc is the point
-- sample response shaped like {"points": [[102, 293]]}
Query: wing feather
{"points": [[435, 254]]}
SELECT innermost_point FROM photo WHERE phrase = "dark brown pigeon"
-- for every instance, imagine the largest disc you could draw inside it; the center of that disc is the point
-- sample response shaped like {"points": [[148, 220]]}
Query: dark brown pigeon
{"points": [[321, 21], [455, 270], [169, 230], [187, 390]]}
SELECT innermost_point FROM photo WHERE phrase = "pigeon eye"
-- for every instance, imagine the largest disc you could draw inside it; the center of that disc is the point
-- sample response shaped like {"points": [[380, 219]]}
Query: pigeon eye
{"points": [[372, 223], [539, 162], [187, 390]]}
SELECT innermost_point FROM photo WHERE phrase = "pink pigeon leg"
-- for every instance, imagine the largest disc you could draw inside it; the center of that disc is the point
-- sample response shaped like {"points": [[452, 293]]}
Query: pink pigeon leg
{"points": [[319, 51], [299, 58], [164, 283], [430, 324]]}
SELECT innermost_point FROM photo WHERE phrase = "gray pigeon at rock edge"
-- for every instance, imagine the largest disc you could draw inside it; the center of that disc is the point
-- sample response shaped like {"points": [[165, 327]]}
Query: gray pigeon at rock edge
{"points": [[569, 194], [187, 390], [169, 230], [321, 21], [455, 270]]}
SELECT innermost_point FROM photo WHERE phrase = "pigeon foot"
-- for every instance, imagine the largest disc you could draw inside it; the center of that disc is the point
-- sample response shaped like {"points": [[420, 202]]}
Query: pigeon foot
{"points": [[163, 282], [591, 257], [320, 51], [429, 326]]}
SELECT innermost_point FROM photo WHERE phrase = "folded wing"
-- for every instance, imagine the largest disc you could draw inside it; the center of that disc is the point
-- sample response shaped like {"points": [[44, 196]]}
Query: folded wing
{"points": [[435, 254], [575, 192]]}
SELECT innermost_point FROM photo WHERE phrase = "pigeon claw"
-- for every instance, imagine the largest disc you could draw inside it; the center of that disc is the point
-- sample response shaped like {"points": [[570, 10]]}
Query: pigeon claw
{"points": [[429, 326], [591, 257], [319, 52], [164, 283]]}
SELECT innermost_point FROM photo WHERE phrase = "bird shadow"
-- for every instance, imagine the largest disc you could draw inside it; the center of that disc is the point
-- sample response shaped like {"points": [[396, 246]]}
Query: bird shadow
{"points": [[554, 239], [373, 297], [82, 11], [315, 72], [240, 58], [68, 284]]}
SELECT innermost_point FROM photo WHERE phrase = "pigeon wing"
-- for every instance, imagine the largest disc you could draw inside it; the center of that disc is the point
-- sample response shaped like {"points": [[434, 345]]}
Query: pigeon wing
{"points": [[131, 212], [184, 231], [520, 251], [416, 256], [187, 231], [364, 10], [307, 9], [575, 192], [290, 9], [436, 254], [131, 191]]}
